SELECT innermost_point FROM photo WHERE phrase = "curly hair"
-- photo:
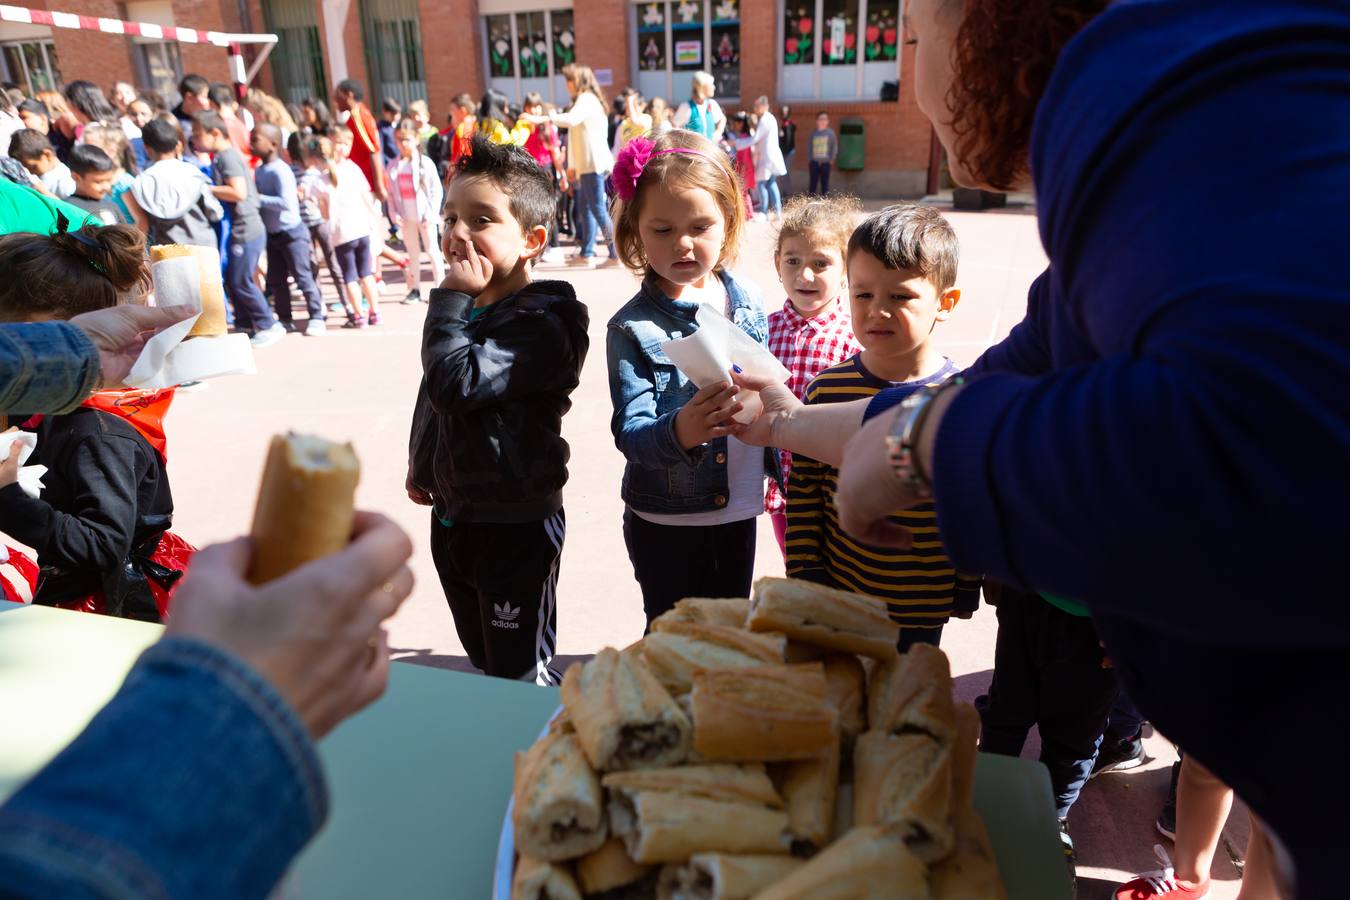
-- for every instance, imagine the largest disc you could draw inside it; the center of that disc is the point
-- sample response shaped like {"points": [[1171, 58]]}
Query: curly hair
{"points": [[828, 221], [1002, 59]]}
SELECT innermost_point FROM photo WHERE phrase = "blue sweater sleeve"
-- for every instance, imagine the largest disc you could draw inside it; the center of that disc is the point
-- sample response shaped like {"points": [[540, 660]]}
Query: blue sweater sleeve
{"points": [[48, 367], [196, 780], [1184, 462]]}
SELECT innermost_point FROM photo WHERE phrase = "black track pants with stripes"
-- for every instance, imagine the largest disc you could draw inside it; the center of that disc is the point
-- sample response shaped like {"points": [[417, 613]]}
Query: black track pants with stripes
{"points": [[501, 581]]}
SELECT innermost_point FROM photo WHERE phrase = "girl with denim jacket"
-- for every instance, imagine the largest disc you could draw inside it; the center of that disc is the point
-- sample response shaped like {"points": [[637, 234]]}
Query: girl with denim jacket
{"points": [[692, 491]]}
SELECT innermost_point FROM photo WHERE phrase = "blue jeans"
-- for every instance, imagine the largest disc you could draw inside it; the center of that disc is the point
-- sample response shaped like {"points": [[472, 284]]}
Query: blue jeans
{"points": [[288, 254], [820, 177], [196, 780], [592, 213], [251, 312], [769, 193]]}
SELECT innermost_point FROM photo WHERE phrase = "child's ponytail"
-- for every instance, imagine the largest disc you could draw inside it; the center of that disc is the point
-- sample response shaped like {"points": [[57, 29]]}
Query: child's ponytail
{"points": [[70, 272]]}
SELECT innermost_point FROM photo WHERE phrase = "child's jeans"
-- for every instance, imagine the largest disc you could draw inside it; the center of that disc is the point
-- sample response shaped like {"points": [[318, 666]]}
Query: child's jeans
{"points": [[419, 236], [1048, 672], [820, 177], [672, 562], [251, 312], [288, 254]]}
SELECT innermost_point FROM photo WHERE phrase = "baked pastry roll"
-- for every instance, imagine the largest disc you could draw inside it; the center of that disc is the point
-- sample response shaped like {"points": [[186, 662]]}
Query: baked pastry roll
{"points": [[964, 751], [764, 713], [810, 789], [870, 863], [679, 650], [306, 504], [559, 809], [905, 781], [971, 872], [913, 693], [210, 286], [844, 686], [536, 879], [664, 823], [739, 784], [723, 876], [608, 868], [728, 611], [623, 716], [823, 616]]}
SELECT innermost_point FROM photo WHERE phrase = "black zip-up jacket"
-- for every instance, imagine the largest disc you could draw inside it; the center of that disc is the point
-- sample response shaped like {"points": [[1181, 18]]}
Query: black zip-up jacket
{"points": [[105, 499], [487, 429]]}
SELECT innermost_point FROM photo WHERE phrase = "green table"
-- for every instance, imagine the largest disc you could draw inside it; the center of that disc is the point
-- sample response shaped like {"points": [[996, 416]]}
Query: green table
{"points": [[420, 780]]}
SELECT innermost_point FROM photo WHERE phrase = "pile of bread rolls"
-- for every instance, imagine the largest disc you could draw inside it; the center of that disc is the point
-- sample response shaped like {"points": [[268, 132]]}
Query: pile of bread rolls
{"points": [[770, 748]]}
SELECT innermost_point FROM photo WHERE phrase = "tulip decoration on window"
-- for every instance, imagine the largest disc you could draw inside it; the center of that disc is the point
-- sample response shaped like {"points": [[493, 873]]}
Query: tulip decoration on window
{"points": [[799, 42], [881, 36]]}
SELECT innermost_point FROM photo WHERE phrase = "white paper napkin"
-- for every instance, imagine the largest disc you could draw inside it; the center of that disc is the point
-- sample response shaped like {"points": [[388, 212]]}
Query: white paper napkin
{"points": [[30, 477], [708, 356], [167, 358]]}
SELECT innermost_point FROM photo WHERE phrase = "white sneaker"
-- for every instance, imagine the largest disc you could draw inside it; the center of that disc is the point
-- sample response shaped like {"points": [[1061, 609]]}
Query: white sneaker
{"points": [[554, 256], [268, 336], [315, 328]]}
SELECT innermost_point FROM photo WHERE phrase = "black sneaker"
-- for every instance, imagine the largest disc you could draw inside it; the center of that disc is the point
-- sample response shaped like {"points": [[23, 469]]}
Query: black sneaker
{"points": [[1118, 755], [1167, 819], [414, 296]]}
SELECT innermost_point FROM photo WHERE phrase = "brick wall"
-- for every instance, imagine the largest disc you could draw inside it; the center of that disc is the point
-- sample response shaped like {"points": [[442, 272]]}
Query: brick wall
{"points": [[452, 52], [90, 55], [602, 39], [207, 60]]}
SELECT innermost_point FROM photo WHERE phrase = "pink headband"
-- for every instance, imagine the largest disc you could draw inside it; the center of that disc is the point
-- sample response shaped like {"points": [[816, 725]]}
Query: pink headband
{"points": [[633, 158]]}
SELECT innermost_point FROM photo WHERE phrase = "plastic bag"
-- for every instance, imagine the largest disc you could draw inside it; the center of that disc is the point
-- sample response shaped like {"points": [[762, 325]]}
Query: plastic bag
{"points": [[142, 587], [18, 575]]}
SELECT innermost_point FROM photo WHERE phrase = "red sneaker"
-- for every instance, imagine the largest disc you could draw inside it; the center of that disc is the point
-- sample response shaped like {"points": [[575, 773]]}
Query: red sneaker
{"points": [[1161, 883]]}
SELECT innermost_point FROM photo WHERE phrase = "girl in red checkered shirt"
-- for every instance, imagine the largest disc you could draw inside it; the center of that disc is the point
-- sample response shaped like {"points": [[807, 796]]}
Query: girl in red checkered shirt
{"points": [[813, 331]]}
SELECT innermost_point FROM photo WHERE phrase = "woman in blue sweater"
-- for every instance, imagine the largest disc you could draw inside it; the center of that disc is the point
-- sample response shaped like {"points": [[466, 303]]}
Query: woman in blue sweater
{"points": [[1163, 438]]}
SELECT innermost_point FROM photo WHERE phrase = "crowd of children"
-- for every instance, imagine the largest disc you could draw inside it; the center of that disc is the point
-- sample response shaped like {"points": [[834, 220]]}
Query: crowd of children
{"points": [[502, 353]]}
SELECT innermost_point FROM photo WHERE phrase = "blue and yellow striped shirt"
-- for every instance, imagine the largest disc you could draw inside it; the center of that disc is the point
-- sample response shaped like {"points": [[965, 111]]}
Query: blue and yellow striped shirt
{"points": [[918, 584]]}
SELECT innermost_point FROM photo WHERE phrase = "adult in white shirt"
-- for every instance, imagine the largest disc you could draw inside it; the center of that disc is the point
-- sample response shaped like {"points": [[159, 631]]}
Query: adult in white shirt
{"points": [[589, 158], [769, 164], [701, 113]]}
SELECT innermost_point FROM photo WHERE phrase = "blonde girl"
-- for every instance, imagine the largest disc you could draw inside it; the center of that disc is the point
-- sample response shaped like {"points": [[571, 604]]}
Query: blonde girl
{"points": [[693, 492], [415, 197]]}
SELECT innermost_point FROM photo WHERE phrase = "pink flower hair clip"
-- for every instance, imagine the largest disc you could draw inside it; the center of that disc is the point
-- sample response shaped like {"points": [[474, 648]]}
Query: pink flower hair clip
{"points": [[631, 161]]}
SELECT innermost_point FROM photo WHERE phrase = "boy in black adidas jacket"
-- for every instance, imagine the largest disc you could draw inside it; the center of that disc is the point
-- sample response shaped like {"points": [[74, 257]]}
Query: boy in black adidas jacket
{"points": [[500, 355]]}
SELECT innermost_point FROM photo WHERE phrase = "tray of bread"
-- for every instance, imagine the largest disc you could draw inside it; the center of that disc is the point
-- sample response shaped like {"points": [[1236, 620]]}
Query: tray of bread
{"points": [[775, 748]]}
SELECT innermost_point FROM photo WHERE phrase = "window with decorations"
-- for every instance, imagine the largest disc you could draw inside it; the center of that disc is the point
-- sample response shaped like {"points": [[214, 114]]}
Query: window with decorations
{"points": [[527, 49], [839, 49], [673, 39]]}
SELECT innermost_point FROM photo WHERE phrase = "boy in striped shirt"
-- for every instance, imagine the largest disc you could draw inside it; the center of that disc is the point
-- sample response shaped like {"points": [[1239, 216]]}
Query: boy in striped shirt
{"points": [[902, 274]]}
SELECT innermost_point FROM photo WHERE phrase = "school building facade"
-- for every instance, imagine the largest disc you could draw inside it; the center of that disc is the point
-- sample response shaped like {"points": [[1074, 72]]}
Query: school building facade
{"points": [[840, 56]]}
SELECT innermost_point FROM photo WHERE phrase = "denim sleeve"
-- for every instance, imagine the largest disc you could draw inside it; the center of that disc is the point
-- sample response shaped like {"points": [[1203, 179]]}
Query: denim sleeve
{"points": [[642, 436], [196, 780], [48, 367]]}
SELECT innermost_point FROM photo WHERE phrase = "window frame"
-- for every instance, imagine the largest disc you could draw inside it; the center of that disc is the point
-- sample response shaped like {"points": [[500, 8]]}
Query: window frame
{"points": [[817, 65], [512, 9], [635, 49], [50, 69]]}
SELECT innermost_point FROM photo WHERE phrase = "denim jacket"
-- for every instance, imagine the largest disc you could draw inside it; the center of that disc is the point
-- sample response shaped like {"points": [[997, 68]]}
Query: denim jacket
{"points": [[647, 391], [47, 367], [196, 780]]}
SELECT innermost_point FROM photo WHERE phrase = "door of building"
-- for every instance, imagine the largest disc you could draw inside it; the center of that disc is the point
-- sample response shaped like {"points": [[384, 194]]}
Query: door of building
{"points": [[297, 62], [393, 51]]}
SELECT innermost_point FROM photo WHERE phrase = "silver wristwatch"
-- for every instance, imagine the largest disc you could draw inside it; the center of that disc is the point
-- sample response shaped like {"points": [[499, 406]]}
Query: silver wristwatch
{"points": [[902, 441]]}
